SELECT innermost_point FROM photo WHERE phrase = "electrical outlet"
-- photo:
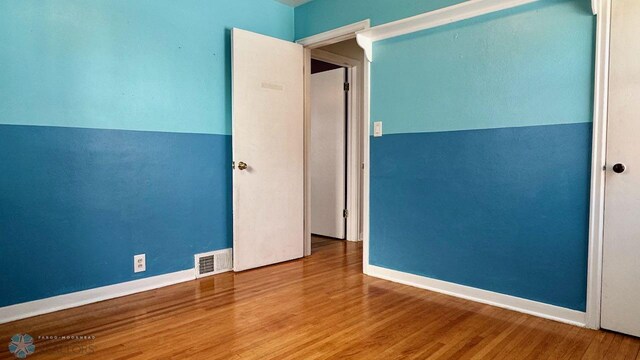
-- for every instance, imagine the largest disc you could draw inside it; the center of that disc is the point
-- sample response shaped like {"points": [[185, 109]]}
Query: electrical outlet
{"points": [[139, 263]]}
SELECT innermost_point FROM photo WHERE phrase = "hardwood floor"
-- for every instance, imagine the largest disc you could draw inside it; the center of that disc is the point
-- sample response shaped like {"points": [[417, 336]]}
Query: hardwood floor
{"points": [[321, 307]]}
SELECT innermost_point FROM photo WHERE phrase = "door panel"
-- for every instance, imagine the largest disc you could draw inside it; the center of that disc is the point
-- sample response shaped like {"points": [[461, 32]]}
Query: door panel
{"points": [[327, 155], [268, 125], [621, 268]]}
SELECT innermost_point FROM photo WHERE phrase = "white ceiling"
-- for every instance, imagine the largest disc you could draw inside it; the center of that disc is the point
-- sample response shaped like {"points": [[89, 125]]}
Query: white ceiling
{"points": [[294, 2]]}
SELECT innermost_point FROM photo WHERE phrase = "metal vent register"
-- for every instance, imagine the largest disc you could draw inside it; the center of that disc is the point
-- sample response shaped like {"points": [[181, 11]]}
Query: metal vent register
{"points": [[214, 262]]}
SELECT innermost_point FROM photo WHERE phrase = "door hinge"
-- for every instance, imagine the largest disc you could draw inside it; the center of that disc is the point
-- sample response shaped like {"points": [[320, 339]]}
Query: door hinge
{"points": [[233, 165], [346, 86], [345, 213]]}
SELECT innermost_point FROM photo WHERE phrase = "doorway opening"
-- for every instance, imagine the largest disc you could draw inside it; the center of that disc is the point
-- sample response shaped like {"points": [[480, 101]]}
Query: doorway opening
{"points": [[329, 97], [336, 139]]}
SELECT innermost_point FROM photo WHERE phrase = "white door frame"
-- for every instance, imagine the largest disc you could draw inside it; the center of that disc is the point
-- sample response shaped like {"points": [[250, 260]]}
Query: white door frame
{"points": [[358, 132], [354, 106], [598, 163]]}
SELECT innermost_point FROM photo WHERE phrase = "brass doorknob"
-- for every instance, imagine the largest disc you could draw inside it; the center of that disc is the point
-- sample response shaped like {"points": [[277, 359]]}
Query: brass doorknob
{"points": [[242, 165]]}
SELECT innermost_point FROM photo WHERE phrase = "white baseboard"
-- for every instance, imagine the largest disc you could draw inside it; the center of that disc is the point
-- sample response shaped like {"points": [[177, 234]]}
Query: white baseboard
{"points": [[66, 301], [530, 307]]}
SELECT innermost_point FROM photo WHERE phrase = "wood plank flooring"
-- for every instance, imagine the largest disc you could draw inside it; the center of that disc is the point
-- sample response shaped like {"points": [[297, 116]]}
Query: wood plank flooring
{"points": [[320, 307]]}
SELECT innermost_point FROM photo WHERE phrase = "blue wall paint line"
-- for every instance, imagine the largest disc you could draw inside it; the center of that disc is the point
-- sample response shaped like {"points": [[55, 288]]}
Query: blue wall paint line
{"points": [[504, 210], [323, 15], [528, 66], [153, 65], [77, 204]]}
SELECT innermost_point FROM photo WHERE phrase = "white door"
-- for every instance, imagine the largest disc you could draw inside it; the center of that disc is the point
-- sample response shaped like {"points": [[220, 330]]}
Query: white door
{"points": [[621, 265], [268, 150], [327, 157]]}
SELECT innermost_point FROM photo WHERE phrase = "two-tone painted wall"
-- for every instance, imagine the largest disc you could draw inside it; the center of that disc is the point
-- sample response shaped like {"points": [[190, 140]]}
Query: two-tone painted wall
{"points": [[482, 175], [115, 140], [115, 121]]}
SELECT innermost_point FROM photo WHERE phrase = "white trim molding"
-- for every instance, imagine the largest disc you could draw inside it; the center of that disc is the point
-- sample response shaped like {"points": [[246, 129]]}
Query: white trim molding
{"points": [[366, 169], [530, 307], [334, 36], [67, 301], [335, 59], [447, 15], [366, 44], [307, 140], [598, 161], [366, 35]]}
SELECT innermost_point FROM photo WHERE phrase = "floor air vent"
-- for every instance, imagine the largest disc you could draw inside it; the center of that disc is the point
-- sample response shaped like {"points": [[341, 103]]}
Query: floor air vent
{"points": [[214, 262]]}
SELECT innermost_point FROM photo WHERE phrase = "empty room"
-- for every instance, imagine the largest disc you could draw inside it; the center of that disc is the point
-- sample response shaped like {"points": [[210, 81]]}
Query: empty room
{"points": [[319, 179]]}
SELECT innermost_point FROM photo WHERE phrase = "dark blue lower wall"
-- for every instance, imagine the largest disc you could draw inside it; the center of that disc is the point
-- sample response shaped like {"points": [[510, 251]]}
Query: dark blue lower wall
{"points": [[77, 204], [504, 210]]}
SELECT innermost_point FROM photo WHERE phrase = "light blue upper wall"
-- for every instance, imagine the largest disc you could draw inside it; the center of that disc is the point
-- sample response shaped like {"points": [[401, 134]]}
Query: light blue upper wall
{"points": [[532, 65], [117, 64], [321, 15]]}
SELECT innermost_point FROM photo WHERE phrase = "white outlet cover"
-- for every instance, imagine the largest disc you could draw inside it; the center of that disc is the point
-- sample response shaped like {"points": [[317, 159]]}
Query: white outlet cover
{"points": [[139, 263]]}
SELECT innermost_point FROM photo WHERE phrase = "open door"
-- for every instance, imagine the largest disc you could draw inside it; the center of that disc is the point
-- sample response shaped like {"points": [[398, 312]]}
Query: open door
{"points": [[268, 150], [620, 270], [328, 158]]}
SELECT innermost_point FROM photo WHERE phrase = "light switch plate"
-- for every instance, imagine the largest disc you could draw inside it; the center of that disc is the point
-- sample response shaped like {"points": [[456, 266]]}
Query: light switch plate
{"points": [[377, 129]]}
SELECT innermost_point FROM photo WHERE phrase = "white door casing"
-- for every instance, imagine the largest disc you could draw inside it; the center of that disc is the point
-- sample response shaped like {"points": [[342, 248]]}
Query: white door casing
{"points": [[268, 135], [621, 251], [328, 153]]}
